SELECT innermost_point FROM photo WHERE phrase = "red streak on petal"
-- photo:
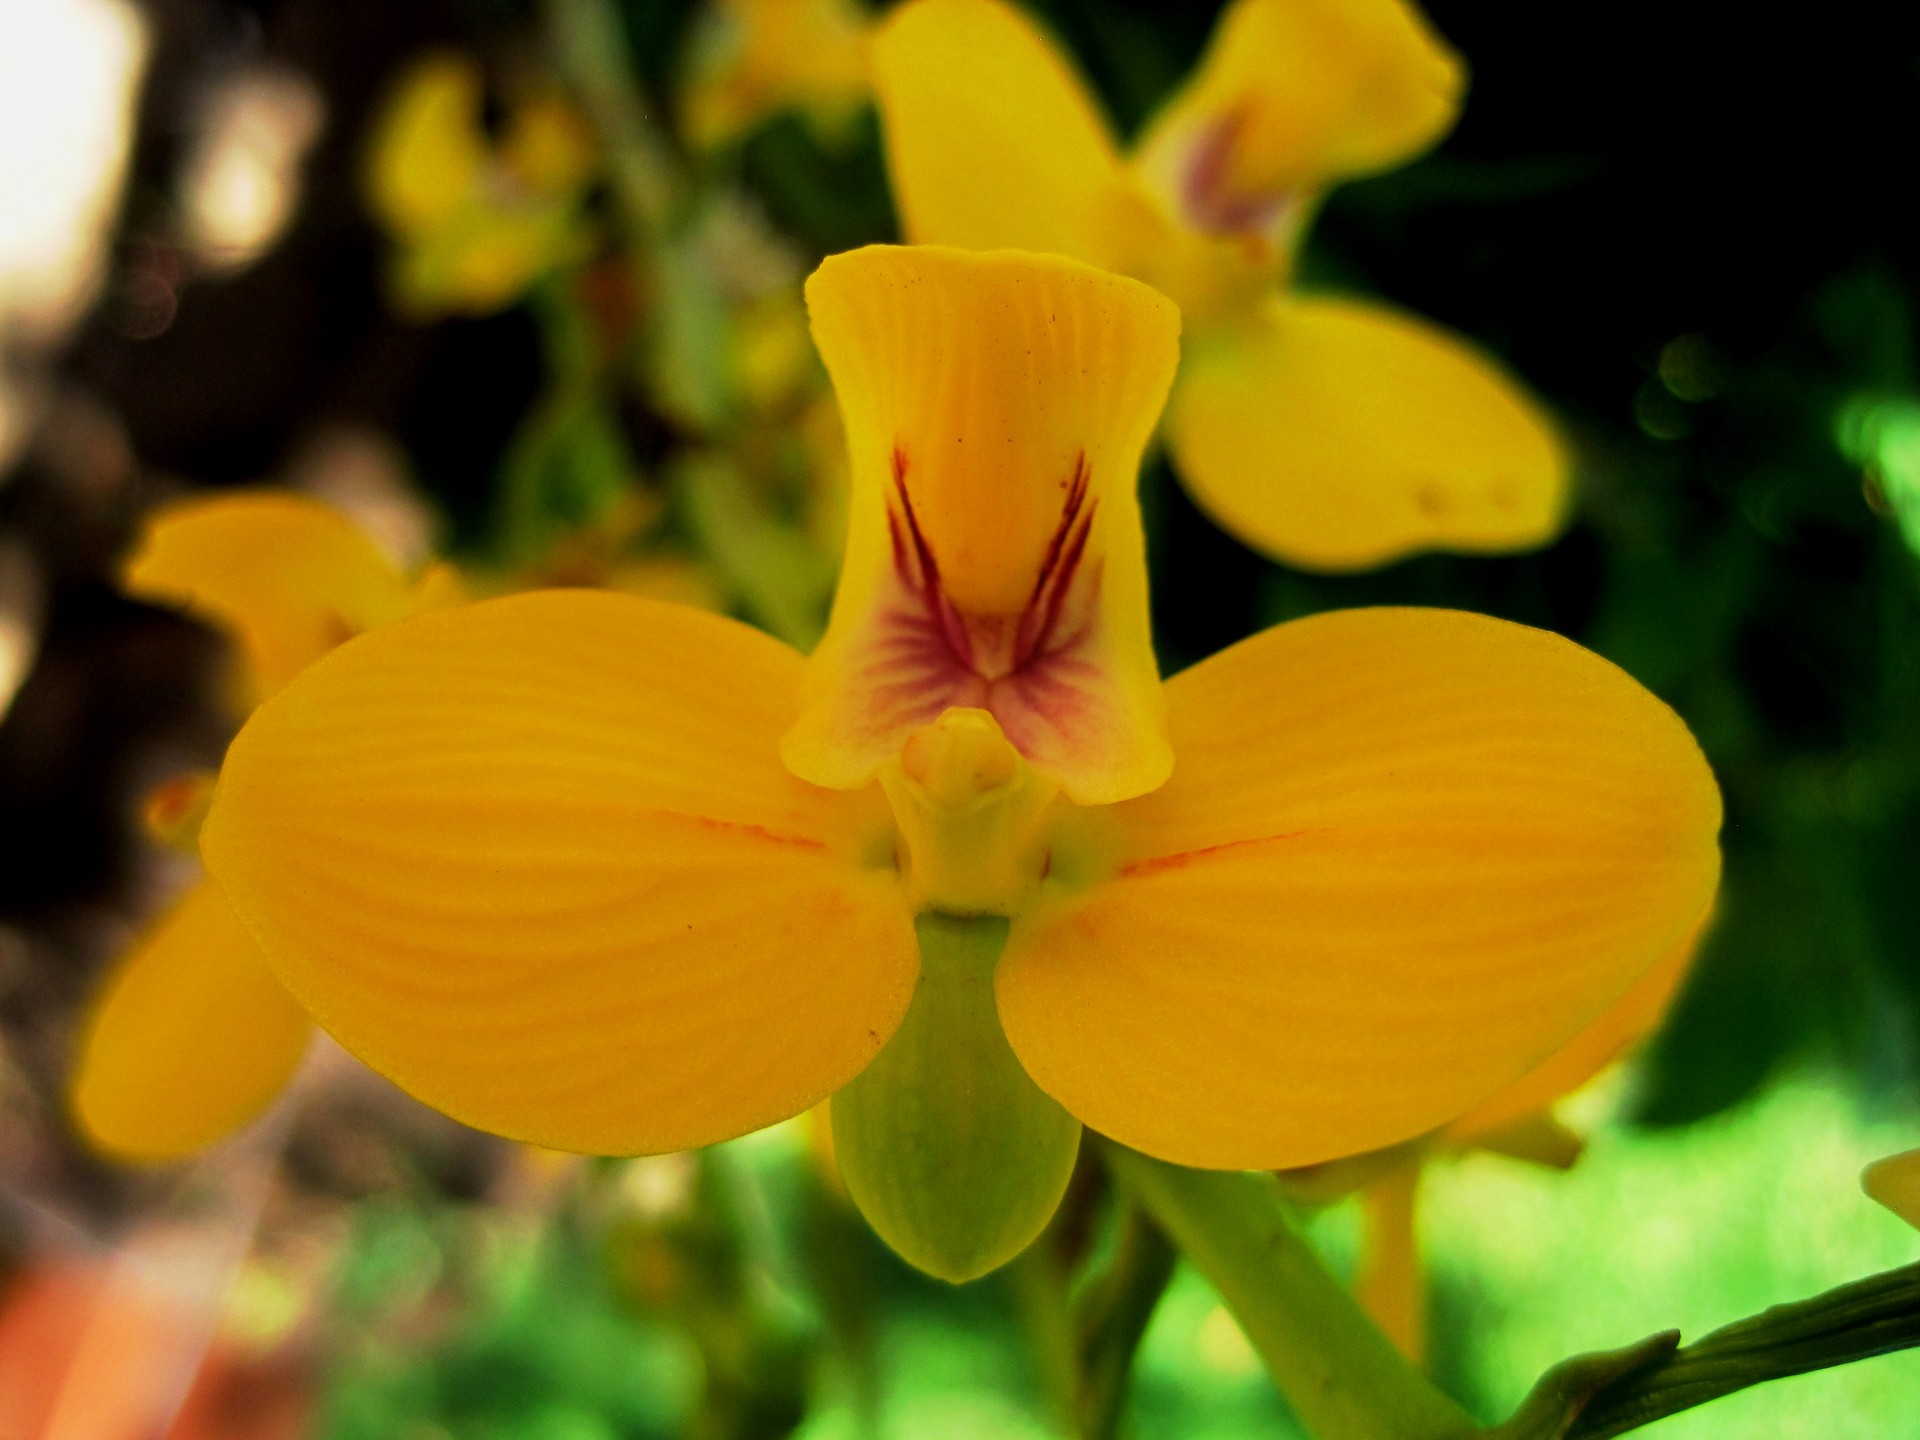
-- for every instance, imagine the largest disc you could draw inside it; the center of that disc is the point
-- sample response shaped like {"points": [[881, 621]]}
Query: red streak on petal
{"points": [[739, 827], [924, 575], [1183, 858], [1029, 669], [1057, 569]]}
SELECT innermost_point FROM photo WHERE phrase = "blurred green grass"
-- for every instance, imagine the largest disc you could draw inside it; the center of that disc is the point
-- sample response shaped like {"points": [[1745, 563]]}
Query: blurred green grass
{"points": [[1691, 1228]]}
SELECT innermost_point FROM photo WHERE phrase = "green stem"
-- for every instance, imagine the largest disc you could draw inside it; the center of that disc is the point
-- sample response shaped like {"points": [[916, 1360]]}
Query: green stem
{"points": [[566, 335], [1040, 1301], [1874, 1316], [590, 48], [1114, 1320], [1343, 1377]]}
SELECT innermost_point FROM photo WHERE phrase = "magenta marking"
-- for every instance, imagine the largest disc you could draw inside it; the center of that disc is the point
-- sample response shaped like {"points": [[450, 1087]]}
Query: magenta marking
{"points": [[929, 655]]}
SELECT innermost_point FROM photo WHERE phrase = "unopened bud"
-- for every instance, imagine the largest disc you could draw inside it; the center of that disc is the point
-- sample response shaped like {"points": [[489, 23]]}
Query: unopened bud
{"points": [[173, 811], [953, 1154]]}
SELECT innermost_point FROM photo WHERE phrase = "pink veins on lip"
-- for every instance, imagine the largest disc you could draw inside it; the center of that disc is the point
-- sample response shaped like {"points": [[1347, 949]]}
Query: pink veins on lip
{"points": [[1031, 670], [1206, 193]]}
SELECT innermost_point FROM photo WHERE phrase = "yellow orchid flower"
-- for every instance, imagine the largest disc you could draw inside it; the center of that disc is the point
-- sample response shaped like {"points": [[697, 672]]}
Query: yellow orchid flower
{"points": [[1331, 433], [191, 1036], [476, 223], [752, 59], [621, 877], [1895, 1183]]}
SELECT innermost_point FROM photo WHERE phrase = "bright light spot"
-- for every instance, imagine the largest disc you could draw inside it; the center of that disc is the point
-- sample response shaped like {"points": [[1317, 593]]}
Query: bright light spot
{"points": [[243, 177], [67, 73], [1223, 1346], [660, 1187], [363, 472], [265, 1305], [20, 615], [1883, 436]]}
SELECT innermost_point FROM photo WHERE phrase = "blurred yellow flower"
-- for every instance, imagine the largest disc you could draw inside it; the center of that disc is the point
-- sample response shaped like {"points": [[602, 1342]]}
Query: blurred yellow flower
{"points": [[1895, 1183], [191, 1036], [752, 59], [1331, 433], [474, 222], [773, 360], [621, 877]]}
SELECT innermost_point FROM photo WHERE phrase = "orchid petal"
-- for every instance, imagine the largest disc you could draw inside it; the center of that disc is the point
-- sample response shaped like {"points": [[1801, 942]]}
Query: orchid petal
{"points": [[190, 1038], [428, 155], [287, 576], [1403, 857], [1624, 1024], [537, 861], [1338, 435], [992, 140], [1291, 97], [1895, 1183]]}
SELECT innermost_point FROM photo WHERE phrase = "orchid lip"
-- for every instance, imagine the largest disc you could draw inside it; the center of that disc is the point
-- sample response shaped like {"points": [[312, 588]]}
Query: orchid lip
{"points": [[996, 409], [1015, 667], [1269, 220]]}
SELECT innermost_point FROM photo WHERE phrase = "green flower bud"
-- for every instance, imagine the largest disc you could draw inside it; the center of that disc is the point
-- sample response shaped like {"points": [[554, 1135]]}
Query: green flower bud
{"points": [[953, 1154]]}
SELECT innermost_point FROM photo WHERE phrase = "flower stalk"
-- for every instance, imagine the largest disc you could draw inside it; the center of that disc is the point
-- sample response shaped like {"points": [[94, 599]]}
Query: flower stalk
{"points": [[1341, 1375], [1346, 1380], [592, 53], [1113, 1317], [1857, 1321]]}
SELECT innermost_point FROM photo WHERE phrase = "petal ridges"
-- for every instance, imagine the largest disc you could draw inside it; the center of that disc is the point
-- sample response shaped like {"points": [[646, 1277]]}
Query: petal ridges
{"points": [[502, 853], [1403, 857]]}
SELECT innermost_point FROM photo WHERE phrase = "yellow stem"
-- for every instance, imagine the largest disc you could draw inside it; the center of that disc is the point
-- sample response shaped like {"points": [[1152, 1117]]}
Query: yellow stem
{"points": [[1391, 1282]]}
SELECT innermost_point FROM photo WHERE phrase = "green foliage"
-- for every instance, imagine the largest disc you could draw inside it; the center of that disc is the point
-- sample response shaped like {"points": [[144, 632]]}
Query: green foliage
{"points": [[529, 1338]]}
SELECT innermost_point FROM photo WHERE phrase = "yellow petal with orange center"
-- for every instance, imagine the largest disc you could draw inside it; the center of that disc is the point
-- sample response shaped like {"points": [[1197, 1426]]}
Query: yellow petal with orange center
{"points": [[537, 860], [190, 1037], [1404, 855], [1010, 150], [1624, 1024], [1292, 96], [992, 140], [287, 576], [996, 407], [1338, 435]]}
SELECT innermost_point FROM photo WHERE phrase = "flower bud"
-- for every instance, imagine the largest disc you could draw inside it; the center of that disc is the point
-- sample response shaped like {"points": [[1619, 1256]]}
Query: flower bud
{"points": [[953, 1154]]}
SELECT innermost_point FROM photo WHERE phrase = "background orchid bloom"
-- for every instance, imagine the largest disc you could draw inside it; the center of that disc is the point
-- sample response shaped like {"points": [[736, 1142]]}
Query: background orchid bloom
{"points": [[190, 1036], [1332, 433], [753, 59], [476, 221], [541, 861]]}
